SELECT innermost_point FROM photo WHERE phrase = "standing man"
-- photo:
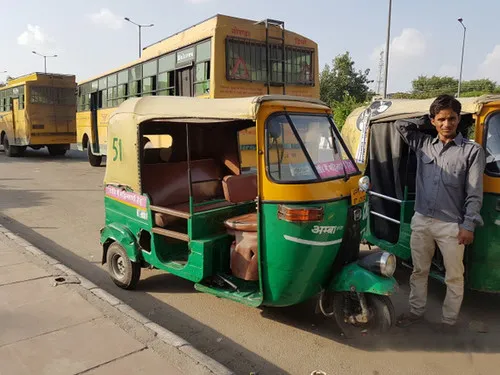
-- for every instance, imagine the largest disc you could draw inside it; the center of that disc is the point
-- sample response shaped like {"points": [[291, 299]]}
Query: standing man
{"points": [[449, 197]]}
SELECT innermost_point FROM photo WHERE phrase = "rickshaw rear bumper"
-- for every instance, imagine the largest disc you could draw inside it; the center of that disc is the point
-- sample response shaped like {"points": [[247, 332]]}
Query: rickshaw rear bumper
{"points": [[354, 278]]}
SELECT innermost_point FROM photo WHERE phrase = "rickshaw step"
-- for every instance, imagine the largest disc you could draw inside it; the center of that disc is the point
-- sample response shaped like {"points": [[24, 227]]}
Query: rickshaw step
{"points": [[169, 211], [248, 292], [171, 233]]}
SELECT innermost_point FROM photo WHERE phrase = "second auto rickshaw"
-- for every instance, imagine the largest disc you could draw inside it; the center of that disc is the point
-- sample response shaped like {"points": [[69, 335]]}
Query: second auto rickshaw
{"points": [[391, 167]]}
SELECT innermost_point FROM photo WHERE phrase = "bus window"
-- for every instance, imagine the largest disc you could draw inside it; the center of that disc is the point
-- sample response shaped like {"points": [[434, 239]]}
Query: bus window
{"points": [[122, 90], [149, 70], [135, 78], [202, 78]]}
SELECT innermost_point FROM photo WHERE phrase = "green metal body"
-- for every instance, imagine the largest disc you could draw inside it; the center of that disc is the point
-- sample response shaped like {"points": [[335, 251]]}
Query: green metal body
{"points": [[295, 259], [354, 278], [293, 271], [482, 258]]}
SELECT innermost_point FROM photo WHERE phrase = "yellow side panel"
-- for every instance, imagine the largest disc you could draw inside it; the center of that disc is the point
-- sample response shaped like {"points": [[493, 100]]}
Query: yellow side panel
{"points": [[122, 167]]}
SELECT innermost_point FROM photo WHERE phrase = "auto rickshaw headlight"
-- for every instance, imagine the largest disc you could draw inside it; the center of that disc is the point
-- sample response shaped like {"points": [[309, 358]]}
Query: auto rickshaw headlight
{"points": [[364, 183], [387, 264], [381, 262]]}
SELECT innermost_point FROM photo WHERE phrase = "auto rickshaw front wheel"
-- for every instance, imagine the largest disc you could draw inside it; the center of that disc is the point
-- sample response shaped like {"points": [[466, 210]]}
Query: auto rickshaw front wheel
{"points": [[123, 271], [359, 314]]}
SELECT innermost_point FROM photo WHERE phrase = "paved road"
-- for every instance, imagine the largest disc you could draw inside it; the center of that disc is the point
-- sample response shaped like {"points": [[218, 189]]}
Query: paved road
{"points": [[58, 205]]}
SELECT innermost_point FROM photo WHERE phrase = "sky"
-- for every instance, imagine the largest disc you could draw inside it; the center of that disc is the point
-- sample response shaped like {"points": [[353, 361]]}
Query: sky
{"points": [[90, 37]]}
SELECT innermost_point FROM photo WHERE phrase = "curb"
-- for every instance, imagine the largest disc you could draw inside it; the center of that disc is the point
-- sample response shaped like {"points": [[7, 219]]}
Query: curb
{"points": [[166, 336]]}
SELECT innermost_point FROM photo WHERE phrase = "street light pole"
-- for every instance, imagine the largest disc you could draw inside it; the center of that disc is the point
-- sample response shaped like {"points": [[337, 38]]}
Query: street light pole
{"points": [[462, 58], [140, 26], [44, 59], [387, 44]]}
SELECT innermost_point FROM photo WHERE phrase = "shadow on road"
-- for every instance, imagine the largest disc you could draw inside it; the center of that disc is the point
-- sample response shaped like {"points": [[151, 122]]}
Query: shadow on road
{"points": [[479, 313], [20, 199], [42, 155], [204, 338]]}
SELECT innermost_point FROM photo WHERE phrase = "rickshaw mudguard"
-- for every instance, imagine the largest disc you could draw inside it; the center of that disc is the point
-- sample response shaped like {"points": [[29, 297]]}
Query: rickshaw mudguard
{"points": [[115, 232], [354, 278]]}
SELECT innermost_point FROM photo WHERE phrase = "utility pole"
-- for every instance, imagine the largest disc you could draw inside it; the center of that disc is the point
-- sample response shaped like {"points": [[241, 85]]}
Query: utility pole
{"points": [[44, 59], [462, 58], [387, 44], [380, 75], [140, 26]]}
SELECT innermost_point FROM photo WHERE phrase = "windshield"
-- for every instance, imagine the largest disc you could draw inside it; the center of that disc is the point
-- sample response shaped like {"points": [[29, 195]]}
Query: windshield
{"points": [[493, 144], [53, 95], [306, 148]]}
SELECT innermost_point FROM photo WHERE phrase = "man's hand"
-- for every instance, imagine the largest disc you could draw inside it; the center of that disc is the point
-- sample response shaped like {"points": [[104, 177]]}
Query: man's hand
{"points": [[465, 237]]}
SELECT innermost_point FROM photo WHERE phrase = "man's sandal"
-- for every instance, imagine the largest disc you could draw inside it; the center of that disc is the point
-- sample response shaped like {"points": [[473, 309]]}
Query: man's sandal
{"points": [[406, 320]]}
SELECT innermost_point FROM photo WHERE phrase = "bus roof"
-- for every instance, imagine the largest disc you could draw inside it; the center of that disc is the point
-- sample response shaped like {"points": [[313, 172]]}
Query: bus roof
{"points": [[218, 15], [188, 36], [196, 110], [183, 30], [33, 77]]}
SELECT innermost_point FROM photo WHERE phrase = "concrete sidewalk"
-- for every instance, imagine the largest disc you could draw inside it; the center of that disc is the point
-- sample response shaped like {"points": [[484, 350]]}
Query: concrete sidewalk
{"points": [[52, 324]]}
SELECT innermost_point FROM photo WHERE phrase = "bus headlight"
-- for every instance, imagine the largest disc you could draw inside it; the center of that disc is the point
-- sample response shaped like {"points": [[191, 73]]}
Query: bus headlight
{"points": [[382, 263]]}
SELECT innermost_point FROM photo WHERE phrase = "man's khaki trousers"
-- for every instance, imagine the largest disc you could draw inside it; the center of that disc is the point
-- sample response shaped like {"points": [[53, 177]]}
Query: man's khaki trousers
{"points": [[425, 231]]}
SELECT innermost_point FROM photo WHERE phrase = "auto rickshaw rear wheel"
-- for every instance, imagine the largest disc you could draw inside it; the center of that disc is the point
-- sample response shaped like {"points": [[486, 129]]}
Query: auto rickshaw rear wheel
{"points": [[381, 315], [123, 271]]}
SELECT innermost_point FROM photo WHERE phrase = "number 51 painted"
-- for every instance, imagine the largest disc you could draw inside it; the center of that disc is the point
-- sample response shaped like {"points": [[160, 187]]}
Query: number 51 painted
{"points": [[117, 148]]}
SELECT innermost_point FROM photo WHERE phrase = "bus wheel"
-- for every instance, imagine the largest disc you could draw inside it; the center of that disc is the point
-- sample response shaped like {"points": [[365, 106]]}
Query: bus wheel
{"points": [[11, 151], [94, 160], [123, 271], [56, 150]]}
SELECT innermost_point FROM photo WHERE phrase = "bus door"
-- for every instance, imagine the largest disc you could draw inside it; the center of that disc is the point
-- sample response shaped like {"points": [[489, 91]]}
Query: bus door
{"points": [[185, 82], [14, 105], [94, 102]]}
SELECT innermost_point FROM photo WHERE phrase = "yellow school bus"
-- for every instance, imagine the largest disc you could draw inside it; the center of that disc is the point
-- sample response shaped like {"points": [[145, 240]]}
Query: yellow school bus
{"points": [[38, 110], [221, 57]]}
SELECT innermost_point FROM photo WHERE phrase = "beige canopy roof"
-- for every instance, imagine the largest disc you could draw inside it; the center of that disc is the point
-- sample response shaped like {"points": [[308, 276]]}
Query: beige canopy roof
{"points": [[408, 108], [387, 110], [180, 109], [122, 163]]}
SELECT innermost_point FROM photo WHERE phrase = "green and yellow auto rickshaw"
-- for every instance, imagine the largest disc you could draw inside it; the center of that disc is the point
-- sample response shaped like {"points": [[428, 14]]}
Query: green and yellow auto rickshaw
{"points": [[391, 166], [176, 199]]}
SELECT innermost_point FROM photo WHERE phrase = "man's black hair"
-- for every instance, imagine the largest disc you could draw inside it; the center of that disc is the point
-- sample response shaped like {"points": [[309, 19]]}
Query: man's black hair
{"points": [[445, 102]]}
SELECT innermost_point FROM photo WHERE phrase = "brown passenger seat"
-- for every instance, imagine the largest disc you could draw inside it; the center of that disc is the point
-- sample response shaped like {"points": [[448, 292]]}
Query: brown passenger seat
{"points": [[240, 188], [168, 187], [243, 223]]}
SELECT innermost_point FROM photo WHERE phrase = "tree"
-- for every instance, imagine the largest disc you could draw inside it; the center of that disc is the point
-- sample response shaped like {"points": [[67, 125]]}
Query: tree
{"points": [[343, 108], [441, 85], [429, 87], [343, 78], [481, 85]]}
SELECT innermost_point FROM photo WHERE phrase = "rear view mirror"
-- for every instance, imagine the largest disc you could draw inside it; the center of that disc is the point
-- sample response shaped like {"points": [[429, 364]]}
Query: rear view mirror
{"points": [[274, 130]]}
